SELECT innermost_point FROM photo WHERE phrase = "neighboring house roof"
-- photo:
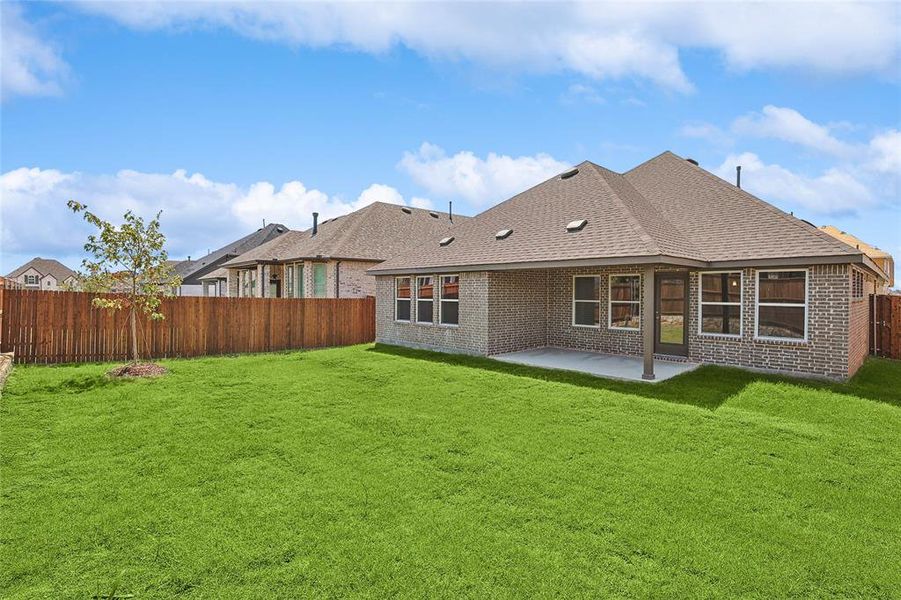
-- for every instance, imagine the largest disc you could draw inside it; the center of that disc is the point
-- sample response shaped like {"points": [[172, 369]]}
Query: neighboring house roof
{"points": [[882, 258], [221, 273], [666, 209], [851, 240], [45, 266], [372, 233], [193, 270]]}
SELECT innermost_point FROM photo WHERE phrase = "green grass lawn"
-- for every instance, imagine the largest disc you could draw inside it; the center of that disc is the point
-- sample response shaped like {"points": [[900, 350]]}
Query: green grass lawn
{"points": [[373, 471]]}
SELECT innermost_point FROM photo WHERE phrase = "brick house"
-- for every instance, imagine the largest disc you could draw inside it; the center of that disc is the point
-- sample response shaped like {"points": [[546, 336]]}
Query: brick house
{"points": [[665, 260], [195, 274], [43, 274], [331, 259]]}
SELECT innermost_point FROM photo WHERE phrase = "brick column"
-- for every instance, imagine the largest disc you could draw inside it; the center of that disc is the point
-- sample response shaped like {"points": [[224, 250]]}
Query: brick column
{"points": [[261, 286], [232, 284], [647, 321]]}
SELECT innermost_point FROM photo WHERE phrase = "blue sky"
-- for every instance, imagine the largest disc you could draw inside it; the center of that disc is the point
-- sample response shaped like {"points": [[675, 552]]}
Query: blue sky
{"points": [[222, 117]]}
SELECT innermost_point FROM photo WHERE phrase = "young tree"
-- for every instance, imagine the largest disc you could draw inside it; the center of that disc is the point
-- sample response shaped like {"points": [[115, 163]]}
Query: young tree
{"points": [[129, 259]]}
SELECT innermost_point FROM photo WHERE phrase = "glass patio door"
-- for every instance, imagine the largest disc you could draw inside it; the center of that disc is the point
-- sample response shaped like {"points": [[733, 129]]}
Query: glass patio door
{"points": [[671, 324]]}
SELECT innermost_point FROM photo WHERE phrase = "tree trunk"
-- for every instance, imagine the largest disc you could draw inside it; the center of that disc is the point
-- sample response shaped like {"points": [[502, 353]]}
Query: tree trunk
{"points": [[134, 335]]}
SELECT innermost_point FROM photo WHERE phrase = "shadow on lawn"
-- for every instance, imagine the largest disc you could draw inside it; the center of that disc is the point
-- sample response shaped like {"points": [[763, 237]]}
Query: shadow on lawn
{"points": [[707, 386]]}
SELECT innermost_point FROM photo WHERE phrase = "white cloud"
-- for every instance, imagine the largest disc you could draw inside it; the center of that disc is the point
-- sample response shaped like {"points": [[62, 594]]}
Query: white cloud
{"points": [[29, 66], [789, 125], [885, 151], [600, 41], [834, 191], [198, 213], [481, 181]]}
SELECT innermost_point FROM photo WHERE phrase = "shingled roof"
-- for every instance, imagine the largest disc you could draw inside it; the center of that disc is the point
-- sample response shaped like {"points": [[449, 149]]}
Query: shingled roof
{"points": [[45, 266], [192, 271], [372, 233], [665, 210]]}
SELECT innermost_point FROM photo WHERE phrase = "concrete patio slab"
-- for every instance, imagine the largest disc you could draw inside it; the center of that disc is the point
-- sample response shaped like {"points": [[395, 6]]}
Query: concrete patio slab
{"points": [[613, 366]]}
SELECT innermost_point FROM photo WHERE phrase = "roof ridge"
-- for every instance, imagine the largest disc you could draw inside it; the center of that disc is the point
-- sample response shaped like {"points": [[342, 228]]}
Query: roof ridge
{"points": [[789, 218], [652, 159], [639, 229]]}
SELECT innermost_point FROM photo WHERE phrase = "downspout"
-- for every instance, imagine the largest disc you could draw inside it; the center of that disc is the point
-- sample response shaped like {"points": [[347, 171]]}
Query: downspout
{"points": [[337, 279]]}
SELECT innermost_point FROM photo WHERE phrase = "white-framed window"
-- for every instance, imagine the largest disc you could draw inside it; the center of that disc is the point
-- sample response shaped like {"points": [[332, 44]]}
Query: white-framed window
{"points": [[781, 305], [297, 277], [586, 301], [624, 302], [31, 280], [719, 309], [449, 300], [288, 290], [425, 299], [402, 299], [857, 284]]}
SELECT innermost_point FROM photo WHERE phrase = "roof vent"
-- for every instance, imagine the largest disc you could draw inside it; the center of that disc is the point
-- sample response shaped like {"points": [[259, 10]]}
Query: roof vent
{"points": [[570, 173], [503, 234], [434, 215], [577, 225], [692, 161], [406, 210], [446, 241]]}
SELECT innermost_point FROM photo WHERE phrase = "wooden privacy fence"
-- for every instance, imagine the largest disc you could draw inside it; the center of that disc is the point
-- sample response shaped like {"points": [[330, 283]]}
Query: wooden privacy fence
{"points": [[64, 327], [885, 326]]}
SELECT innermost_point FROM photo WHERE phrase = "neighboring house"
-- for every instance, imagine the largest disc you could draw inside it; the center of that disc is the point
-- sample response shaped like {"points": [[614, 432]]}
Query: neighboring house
{"points": [[886, 277], [43, 274], [330, 259], [192, 272], [215, 283], [666, 259]]}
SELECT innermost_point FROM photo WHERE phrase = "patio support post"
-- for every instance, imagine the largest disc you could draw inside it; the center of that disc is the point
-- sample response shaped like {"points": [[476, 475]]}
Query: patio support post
{"points": [[647, 321]]}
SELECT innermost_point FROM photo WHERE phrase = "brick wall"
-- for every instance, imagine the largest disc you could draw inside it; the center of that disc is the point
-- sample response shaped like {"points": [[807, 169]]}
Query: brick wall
{"points": [[469, 337], [353, 281], [516, 310], [563, 334], [859, 329], [825, 352]]}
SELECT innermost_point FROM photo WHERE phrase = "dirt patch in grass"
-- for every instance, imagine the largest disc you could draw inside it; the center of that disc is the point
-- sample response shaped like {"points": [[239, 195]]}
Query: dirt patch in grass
{"points": [[138, 370]]}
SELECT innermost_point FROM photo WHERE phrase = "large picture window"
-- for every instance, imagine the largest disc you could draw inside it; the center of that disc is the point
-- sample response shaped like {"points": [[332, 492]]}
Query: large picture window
{"points": [[402, 299], [450, 300], [319, 280], [298, 280], [782, 305], [625, 302], [425, 299], [586, 301], [721, 303]]}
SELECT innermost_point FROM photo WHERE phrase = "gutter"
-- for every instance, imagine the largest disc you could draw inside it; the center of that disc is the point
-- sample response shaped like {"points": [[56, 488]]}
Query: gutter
{"points": [[636, 260]]}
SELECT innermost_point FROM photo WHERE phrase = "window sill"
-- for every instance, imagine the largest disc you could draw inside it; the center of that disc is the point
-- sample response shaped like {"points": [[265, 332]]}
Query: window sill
{"points": [[782, 341], [586, 326], [630, 329], [720, 336]]}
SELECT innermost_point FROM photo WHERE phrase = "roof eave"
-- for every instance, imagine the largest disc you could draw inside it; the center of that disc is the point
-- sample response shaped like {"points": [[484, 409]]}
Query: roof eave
{"points": [[545, 264], [636, 260]]}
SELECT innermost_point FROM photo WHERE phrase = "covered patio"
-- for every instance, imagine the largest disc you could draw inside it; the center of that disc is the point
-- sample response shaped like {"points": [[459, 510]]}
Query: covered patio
{"points": [[614, 366]]}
